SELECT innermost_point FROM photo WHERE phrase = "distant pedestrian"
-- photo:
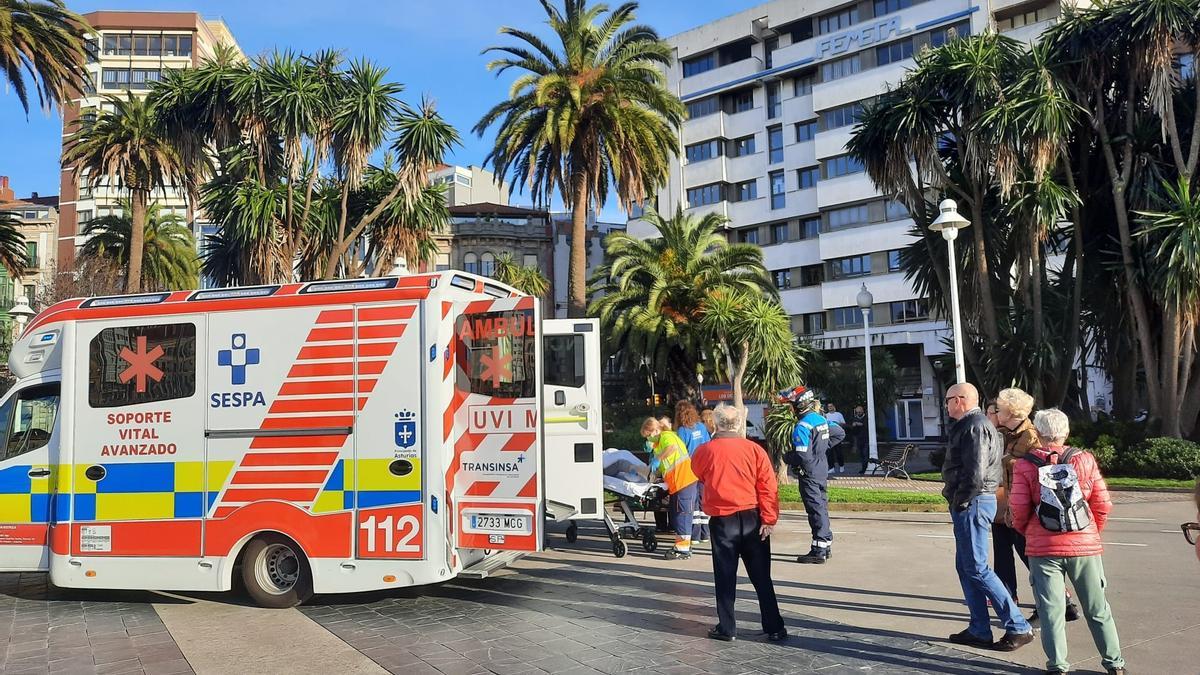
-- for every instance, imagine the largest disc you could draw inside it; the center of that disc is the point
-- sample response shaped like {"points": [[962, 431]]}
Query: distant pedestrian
{"points": [[858, 431], [694, 434], [810, 442], [971, 472], [1060, 502], [675, 467], [837, 451], [1191, 531], [741, 495], [709, 420], [665, 423], [1010, 414]]}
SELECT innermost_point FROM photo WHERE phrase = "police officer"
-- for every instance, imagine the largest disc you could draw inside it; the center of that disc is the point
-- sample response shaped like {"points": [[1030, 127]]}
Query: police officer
{"points": [[811, 439]]}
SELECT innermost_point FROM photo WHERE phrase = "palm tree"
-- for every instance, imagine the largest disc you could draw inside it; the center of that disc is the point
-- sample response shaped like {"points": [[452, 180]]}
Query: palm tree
{"points": [[524, 278], [14, 257], [169, 250], [655, 291], [127, 146], [755, 335], [594, 113], [46, 41]]}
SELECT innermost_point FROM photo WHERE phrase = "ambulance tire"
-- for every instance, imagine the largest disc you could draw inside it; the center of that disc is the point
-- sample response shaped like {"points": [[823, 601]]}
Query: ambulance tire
{"points": [[275, 572], [619, 549], [572, 532]]}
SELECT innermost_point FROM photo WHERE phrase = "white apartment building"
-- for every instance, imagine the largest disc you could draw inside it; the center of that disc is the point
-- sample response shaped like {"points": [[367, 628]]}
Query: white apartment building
{"points": [[773, 93], [127, 54], [470, 185]]}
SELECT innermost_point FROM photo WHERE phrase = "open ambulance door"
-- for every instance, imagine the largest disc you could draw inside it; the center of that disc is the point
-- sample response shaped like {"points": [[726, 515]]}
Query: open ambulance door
{"points": [[571, 413]]}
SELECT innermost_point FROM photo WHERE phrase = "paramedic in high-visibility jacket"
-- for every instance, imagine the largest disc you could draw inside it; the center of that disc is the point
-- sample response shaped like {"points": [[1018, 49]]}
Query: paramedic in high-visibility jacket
{"points": [[807, 458], [675, 467]]}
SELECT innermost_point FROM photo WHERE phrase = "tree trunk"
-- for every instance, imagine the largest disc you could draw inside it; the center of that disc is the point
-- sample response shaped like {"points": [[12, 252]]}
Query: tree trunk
{"points": [[1084, 403], [339, 249], [983, 278], [137, 235], [1075, 338], [577, 267], [1170, 373], [736, 379]]}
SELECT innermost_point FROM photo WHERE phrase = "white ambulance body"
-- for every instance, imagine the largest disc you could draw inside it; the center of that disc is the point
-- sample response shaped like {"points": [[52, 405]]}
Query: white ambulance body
{"points": [[323, 437]]}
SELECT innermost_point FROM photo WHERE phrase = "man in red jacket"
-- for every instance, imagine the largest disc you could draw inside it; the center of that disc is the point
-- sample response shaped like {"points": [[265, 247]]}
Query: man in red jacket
{"points": [[1056, 548], [741, 496]]}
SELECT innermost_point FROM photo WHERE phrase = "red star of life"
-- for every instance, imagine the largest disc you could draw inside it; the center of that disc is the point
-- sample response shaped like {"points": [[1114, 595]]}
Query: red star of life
{"points": [[141, 365], [495, 366]]}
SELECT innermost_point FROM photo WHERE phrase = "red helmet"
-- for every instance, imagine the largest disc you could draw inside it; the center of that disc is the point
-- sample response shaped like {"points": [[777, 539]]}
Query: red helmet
{"points": [[799, 395]]}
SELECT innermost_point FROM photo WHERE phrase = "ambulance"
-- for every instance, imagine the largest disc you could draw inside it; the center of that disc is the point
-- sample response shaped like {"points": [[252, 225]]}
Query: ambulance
{"points": [[322, 437]]}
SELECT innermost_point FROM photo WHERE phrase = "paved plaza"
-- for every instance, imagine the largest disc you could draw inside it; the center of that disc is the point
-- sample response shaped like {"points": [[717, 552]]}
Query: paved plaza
{"points": [[883, 605]]}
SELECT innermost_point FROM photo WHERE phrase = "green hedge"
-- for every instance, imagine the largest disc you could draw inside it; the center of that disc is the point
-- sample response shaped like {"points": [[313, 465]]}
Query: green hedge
{"points": [[1161, 458]]}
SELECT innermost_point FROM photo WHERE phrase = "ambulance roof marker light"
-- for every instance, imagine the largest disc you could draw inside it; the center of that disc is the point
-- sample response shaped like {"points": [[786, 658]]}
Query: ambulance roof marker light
{"points": [[234, 293], [125, 300], [350, 285]]}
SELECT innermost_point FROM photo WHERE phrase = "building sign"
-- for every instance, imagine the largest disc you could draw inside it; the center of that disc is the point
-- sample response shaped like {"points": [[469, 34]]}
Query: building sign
{"points": [[866, 36]]}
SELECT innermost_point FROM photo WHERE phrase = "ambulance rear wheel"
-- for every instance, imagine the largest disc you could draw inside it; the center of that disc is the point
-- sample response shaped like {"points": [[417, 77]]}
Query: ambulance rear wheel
{"points": [[619, 549], [572, 532], [275, 572]]}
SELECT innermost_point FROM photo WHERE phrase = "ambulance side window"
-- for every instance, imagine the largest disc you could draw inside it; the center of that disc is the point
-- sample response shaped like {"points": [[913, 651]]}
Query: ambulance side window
{"points": [[28, 419], [562, 361], [497, 354], [131, 365]]}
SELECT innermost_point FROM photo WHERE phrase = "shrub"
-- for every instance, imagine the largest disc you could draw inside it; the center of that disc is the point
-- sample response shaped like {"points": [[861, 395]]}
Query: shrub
{"points": [[1160, 458], [1106, 457]]}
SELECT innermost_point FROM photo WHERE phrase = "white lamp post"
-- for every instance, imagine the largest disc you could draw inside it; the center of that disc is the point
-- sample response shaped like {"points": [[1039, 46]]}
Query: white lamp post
{"points": [[949, 222], [865, 302], [21, 313]]}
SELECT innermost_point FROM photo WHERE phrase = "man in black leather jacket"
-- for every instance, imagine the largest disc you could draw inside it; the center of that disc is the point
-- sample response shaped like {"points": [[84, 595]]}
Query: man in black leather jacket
{"points": [[971, 473]]}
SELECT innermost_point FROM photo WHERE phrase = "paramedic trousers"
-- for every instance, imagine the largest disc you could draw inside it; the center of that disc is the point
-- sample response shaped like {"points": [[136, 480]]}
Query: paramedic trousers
{"points": [[683, 503], [700, 529], [816, 505], [735, 537]]}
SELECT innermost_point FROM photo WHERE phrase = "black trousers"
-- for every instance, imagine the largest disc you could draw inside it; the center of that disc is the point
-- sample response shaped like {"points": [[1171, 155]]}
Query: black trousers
{"points": [[735, 537], [1006, 541]]}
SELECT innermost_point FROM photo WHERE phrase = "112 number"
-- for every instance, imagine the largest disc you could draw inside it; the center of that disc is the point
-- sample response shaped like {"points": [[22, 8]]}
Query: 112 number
{"points": [[406, 526]]}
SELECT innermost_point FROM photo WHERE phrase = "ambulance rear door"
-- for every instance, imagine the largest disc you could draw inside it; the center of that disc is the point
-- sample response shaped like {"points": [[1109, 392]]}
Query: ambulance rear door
{"points": [[573, 425], [496, 432]]}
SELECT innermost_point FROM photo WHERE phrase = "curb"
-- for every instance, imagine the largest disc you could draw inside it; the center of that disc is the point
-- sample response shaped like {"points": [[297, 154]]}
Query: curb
{"points": [[798, 507]]}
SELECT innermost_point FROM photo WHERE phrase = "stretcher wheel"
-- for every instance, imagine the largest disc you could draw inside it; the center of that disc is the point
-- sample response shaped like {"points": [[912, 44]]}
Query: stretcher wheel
{"points": [[619, 549], [649, 542], [572, 532]]}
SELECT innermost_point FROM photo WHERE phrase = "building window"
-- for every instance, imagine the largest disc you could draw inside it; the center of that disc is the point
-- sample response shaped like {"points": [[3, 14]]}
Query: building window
{"points": [[774, 104], [699, 64], [775, 145], [443, 262], [842, 165], [852, 266], [1027, 18], [783, 279], [810, 228], [471, 263], [812, 324], [841, 116], [748, 236], [888, 6], [147, 44], [699, 152], [31, 254], [906, 311], [806, 131], [848, 216], [769, 48], [705, 106], [778, 188], [487, 265], [812, 275], [779, 233], [704, 195], [896, 51], [808, 177], [896, 210], [741, 101], [893, 261], [802, 85], [464, 181], [744, 192], [801, 30], [941, 36], [835, 21], [529, 260], [740, 147], [83, 216], [844, 67], [847, 317]]}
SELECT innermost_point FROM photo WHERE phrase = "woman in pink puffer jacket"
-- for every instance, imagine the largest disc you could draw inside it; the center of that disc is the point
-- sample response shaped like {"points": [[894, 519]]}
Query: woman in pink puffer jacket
{"points": [[1073, 554]]}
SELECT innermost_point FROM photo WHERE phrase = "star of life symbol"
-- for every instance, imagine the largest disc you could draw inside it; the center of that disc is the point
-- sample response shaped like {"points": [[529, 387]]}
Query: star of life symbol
{"points": [[141, 365], [406, 429], [495, 366], [238, 357]]}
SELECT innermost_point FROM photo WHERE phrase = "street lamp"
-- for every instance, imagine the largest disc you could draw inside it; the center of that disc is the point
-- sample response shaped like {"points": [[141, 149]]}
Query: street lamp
{"points": [[21, 312], [949, 222], [865, 302]]}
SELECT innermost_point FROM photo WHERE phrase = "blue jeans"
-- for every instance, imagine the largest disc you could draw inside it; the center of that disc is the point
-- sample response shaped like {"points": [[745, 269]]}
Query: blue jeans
{"points": [[972, 529]]}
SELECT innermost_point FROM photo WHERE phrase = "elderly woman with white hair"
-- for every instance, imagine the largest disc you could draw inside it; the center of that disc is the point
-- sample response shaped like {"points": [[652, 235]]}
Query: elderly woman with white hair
{"points": [[1060, 503]]}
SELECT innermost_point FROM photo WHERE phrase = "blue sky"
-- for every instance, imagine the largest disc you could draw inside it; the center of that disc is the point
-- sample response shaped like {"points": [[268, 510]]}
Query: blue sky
{"points": [[430, 46]]}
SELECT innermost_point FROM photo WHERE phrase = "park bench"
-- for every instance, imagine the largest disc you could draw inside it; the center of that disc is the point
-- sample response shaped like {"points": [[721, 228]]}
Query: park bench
{"points": [[895, 460]]}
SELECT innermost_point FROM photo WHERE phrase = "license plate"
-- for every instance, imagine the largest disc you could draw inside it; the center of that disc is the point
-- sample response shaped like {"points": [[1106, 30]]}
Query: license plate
{"points": [[508, 523]]}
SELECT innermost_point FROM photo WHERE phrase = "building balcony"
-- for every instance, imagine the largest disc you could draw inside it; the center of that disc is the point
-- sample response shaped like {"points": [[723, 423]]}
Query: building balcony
{"points": [[885, 287], [703, 172], [794, 254], [747, 167], [700, 128], [745, 123], [928, 334], [719, 76], [867, 238], [833, 142], [845, 189], [862, 85], [797, 301], [1030, 32], [797, 108]]}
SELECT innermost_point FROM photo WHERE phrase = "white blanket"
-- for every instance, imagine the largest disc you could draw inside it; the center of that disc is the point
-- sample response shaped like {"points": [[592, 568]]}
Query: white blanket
{"points": [[629, 488]]}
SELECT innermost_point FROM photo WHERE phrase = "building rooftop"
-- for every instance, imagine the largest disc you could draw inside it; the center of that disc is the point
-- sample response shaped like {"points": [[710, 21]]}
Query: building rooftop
{"points": [[490, 209]]}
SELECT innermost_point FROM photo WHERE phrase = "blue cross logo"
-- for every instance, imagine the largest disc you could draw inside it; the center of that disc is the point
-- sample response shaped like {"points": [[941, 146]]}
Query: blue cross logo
{"points": [[238, 358]]}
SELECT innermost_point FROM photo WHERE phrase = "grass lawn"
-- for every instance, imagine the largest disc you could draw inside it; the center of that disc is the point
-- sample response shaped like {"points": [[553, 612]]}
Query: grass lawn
{"points": [[840, 495], [1114, 482]]}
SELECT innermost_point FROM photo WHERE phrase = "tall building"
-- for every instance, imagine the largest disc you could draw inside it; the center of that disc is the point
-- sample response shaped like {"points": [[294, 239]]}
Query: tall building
{"points": [[772, 95], [470, 185], [37, 220], [127, 54]]}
